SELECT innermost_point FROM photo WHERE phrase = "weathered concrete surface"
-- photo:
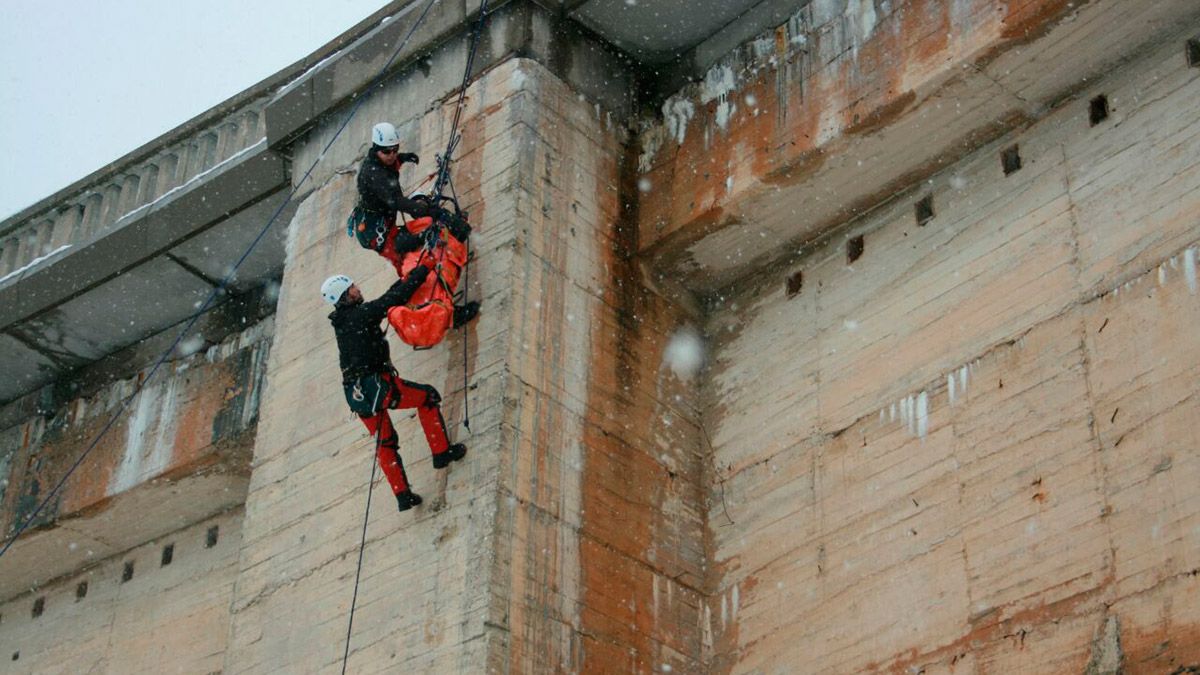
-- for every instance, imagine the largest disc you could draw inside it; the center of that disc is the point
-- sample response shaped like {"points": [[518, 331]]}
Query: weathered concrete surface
{"points": [[850, 102], [141, 269], [179, 454], [571, 537], [434, 57], [968, 449], [600, 532], [424, 592], [166, 618]]}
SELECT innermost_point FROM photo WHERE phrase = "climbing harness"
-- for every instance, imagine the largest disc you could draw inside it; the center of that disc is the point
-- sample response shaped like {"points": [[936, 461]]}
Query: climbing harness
{"points": [[368, 229]]}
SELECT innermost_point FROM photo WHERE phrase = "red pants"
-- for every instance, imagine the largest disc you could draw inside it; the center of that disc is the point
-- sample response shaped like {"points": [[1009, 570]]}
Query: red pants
{"points": [[405, 395]]}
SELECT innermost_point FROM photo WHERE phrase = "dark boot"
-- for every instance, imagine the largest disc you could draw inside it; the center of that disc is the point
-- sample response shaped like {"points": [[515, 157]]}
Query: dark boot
{"points": [[452, 454], [458, 227], [464, 313], [408, 499]]}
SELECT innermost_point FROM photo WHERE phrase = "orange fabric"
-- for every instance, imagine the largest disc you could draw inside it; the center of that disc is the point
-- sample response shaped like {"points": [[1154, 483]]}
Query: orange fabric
{"points": [[429, 314], [418, 225], [423, 327]]}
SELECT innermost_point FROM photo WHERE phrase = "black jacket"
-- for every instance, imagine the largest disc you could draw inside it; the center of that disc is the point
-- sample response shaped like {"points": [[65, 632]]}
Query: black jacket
{"points": [[362, 349], [379, 190], [380, 195]]}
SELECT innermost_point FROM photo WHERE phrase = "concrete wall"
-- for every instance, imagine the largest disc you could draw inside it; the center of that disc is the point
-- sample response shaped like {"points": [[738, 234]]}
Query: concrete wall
{"points": [[852, 101], [179, 453], [971, 450], [165, 618], [571, 536]]}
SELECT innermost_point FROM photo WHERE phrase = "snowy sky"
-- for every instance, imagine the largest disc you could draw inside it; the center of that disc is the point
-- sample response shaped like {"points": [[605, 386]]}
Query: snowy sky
{"points": [[82, 83]]}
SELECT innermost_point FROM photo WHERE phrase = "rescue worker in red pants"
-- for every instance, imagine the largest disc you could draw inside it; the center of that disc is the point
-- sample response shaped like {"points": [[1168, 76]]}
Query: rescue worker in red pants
{"points": [[371, 384], [380, 198]]}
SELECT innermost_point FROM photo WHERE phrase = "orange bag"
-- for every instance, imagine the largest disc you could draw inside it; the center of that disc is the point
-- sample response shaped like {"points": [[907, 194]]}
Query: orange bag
{"points": [[429, 314]]}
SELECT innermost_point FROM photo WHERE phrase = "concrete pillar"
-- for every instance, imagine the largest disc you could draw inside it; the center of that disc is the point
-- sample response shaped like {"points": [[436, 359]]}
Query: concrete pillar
{"points": [[571, 536]]}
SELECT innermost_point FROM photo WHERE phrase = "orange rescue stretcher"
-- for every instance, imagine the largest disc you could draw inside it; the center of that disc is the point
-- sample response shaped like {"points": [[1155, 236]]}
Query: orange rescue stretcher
{"points": [[429, 314]]}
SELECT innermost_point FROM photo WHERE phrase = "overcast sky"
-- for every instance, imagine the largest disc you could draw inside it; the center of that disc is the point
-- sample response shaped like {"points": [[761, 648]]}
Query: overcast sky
{"points": [[82, 83]]}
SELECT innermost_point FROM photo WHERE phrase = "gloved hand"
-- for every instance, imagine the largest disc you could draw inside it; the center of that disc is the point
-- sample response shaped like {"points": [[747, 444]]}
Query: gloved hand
{"points": [[418, 274], [418, 209], [410, 157]]}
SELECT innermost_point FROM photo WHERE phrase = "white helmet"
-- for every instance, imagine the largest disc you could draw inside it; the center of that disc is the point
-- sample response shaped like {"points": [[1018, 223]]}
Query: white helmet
{"points": [[384, 134], [334, 287]]}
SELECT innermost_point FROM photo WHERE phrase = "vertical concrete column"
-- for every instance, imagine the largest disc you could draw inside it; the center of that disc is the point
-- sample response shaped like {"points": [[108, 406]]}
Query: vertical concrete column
{"points": [[424, 598], [572, 536], [600, 532]]}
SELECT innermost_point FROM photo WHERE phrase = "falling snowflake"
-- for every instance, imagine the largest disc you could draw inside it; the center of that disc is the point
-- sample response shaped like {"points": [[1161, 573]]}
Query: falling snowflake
{"points": [[684, 354]]}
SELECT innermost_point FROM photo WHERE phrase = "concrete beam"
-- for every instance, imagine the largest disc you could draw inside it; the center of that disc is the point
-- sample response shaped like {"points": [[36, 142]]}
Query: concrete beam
{"points": [[150, 511], [348, 72], [843, 108], [515, 27], [143, 234]]}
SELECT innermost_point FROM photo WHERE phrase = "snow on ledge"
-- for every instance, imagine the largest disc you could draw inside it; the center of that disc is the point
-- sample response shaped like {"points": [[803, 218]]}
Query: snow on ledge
{"points": [[33, 263]]}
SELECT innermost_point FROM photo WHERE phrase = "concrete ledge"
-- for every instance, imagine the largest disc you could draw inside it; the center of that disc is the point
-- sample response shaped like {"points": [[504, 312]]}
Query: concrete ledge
{"points": [[842, 109], [178, 454], [144, 233], [347, 72], [514, 27]]}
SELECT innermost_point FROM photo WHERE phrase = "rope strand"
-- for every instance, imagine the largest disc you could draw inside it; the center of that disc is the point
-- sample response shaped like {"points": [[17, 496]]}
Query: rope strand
{"points": [[444, 180], [362, 545]]}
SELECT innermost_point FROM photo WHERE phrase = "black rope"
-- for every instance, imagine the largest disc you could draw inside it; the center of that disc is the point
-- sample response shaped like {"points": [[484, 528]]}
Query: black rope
{"points": [[219, 290], [444, 180], [463, 328], [465, 292], [444, 161], [362, 544]]}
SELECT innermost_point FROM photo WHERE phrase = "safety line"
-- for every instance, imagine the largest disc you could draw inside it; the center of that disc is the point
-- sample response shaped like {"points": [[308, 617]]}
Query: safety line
{"points": [[362, 544], [444, 180], [223, 285], [452, 142]]}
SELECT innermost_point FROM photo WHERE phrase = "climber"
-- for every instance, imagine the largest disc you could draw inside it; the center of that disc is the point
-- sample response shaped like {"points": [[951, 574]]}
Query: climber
{"points": [[372, 385], [380, 197]]}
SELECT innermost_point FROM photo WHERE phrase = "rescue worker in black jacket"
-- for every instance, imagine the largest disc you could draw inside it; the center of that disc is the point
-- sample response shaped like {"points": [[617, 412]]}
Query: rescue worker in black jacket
{"points": [[372, 385], [380, 198]]}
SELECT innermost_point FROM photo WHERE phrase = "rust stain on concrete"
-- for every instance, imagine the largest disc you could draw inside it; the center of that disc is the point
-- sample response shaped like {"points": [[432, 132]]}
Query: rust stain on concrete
{"points": [[882, 116], [1026, 23], [615, 360], [989, 628]]}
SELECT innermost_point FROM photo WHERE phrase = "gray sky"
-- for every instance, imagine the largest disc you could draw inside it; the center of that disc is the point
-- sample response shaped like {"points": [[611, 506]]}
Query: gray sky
{"points": [[82, 83]]}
